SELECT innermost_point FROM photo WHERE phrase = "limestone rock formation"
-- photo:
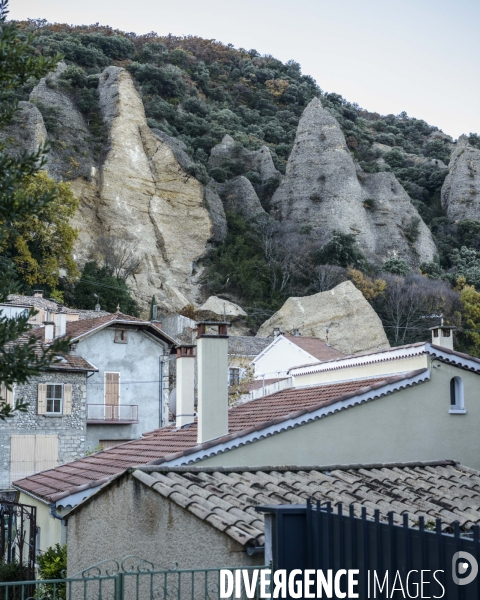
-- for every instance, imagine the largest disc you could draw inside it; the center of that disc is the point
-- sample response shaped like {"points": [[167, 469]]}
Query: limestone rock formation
{"points": [[461, 189], [353, 326], [216, 210], [239, 196], [324, 188], [141, 190], [27, 131], [258, 160]]}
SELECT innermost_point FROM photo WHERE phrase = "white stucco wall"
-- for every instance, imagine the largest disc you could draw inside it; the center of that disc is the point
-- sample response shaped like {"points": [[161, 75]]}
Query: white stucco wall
{"points": [[281, 356]]}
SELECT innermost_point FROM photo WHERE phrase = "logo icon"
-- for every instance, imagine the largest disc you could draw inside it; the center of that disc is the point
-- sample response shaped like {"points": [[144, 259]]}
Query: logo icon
{"points": [[463, 563]]}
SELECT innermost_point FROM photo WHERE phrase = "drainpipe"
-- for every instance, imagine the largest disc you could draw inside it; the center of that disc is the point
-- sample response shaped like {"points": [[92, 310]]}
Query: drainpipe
{"points": [[55, 514]]}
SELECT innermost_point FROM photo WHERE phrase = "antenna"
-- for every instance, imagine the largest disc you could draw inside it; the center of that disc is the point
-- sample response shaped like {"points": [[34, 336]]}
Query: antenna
{"points": [[224, 313]]}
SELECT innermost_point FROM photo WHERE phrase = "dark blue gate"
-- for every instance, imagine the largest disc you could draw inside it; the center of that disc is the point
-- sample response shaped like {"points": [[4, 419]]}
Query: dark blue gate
{"points": [[317, 537]]}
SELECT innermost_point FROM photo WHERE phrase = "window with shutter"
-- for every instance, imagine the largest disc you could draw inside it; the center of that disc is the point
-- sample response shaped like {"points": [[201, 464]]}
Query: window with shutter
{"points": [[67, 399], [112, 395], [42, 399]]}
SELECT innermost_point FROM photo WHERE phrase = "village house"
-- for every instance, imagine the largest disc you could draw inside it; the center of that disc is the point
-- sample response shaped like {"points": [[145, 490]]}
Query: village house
{"points": [[205, 517], [52, 431], [407, 414]]}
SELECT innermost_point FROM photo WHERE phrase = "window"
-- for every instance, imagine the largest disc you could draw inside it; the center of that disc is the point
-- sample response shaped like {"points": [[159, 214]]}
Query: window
{"points": [[54, 398], [112, 395], [6, 396], [457, 403], [233, 376], [121, 336]]}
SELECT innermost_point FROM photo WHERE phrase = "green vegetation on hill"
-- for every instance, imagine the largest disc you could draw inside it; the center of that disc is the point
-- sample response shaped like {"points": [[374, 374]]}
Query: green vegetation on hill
{"points": [[199, 90]]}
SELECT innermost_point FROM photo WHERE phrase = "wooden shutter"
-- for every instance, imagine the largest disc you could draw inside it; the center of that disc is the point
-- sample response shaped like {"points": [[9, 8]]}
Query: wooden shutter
{"points": [[42, 398], [67, 399], [9, 397], [112, 388], [22, 456], [46, 452]]}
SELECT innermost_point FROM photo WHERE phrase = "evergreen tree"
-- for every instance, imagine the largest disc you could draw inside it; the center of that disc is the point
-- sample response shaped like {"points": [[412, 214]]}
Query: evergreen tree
{"points": [[18, 63]]}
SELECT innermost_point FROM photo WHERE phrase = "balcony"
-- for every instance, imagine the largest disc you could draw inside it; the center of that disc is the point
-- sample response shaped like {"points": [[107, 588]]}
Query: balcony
{"points": [[107, 414]]}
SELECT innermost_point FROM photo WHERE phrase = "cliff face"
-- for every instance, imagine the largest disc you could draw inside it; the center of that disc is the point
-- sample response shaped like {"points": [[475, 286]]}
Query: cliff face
{"points": [[139, 191], [461, 189], [324, 188]]}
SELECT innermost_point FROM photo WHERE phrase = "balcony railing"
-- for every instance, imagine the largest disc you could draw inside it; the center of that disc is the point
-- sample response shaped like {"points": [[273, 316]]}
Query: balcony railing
{"points": [[105, 414]]}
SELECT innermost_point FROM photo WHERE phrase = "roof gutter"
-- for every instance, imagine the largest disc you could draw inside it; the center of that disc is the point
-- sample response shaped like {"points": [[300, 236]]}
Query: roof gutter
{"points": [[55, 514]]}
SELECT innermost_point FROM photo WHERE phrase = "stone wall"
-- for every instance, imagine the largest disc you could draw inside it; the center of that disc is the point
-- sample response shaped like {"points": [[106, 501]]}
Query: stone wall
{"points": [[71, 429]]}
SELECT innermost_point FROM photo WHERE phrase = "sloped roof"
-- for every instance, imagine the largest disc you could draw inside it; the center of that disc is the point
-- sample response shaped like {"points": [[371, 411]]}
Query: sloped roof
{"points": [[64, 362], [48, 304], [167, 444], [227, 498], [315, 346], [243, 345], [78, 329], [459, 359]]}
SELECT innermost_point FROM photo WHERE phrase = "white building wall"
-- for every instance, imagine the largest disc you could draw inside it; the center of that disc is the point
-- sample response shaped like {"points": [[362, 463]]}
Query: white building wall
{"points": [[279, 357]]}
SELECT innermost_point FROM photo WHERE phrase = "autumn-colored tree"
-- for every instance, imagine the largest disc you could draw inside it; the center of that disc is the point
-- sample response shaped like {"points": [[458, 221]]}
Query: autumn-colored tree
{"points": [[370, 288], [41, 242], [469, 337]]}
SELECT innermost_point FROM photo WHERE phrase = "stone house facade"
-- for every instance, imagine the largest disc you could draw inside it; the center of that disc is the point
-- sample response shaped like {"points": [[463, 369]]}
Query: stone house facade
{"points": [[52, 431]]}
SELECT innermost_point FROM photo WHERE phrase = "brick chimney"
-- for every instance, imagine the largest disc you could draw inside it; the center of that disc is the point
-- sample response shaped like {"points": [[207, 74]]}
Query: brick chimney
{"points": [[212, 364], [185, 409], [442, 335]]}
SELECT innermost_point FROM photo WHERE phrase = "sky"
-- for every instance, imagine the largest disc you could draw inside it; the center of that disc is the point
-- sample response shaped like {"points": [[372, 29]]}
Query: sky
{"points": [[418, 56]]}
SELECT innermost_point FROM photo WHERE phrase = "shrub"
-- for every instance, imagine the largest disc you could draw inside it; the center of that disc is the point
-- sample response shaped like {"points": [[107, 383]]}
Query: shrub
{"points": [[369, 203], [341, 250], [52, 564], [315, 197], [412, 229], [396, 266]]}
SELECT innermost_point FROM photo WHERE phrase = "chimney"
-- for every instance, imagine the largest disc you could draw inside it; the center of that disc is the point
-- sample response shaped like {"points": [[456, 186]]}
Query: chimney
{"points": [[212, 365], [276, 331], [296, 333], [49, 331], [442, 335], [155, 313], [60, 324], [38, 293], [185, 408]]}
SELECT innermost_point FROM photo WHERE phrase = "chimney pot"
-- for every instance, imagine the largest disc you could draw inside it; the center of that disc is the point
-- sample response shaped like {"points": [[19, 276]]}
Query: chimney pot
{"points": [[276, 331], [442, 335], [296, 333], [49, 331], [38, 293], [185, 402], [212, 364]]}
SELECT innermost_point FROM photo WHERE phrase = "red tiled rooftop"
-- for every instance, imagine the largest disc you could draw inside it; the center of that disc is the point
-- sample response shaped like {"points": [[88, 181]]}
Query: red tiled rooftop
{"points": [[315, 346], [163, 444]]}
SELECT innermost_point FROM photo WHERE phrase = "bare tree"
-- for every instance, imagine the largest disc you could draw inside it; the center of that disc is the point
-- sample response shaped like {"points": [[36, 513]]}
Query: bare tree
{"points": [[406, 304], [326, 277], [118, 255]]}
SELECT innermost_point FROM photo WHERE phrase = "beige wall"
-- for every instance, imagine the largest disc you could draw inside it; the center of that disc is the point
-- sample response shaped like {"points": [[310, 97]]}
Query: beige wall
{"points": [[391, 367], [51, 530], [410, 425], [130, 518]]}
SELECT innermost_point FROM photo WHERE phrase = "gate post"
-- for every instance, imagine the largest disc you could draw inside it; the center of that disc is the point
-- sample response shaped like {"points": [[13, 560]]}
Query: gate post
{"points": [[120, 586]]}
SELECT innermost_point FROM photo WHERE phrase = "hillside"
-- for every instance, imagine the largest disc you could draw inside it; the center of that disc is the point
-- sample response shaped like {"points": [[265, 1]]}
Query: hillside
{"points": [[247, 180]]}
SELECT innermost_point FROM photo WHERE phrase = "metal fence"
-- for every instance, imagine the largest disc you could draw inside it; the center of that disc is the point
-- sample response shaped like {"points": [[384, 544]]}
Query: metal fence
{"points": [[316, 537], [131, 579], [18, 531]]}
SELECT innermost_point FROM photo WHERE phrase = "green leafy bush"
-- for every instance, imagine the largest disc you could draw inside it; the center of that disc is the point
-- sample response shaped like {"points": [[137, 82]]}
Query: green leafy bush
{"points": [[396, 266], [52, 564], [341, 250]]}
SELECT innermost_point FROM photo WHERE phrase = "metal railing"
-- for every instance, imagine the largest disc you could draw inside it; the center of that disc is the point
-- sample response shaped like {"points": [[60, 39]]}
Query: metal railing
{"points": [[115, 413], [128, 580]]}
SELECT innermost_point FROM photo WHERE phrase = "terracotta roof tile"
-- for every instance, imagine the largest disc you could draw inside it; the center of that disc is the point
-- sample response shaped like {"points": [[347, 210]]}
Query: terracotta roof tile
{"points": [[316, 347], [168, 443], [227, 497]]}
